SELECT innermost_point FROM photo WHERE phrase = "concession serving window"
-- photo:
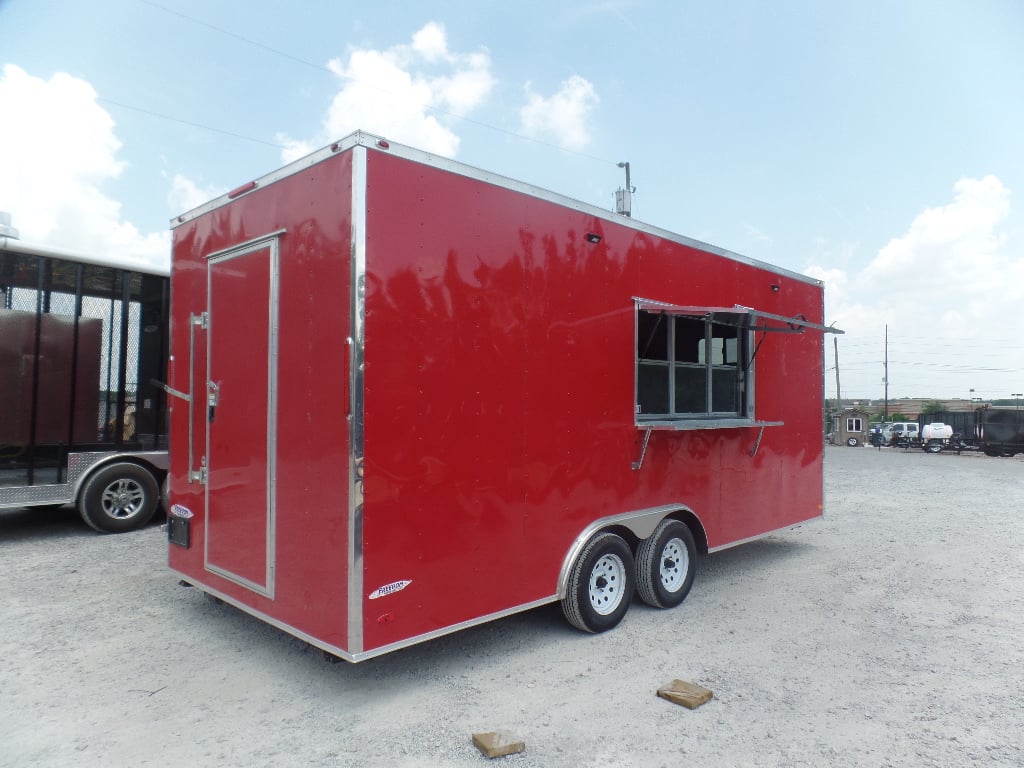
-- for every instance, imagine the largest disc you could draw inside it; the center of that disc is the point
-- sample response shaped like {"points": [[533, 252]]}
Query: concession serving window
{"points": [[695, 366]]}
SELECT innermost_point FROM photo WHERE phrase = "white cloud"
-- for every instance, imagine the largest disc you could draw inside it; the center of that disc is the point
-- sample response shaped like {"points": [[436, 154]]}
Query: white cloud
{"points": [[757, 235], [186, 194], [430, 42], [836, 285], [295, 148], [949, 289], [55, 158], [405, 92], [948, 239], [562, 116]]}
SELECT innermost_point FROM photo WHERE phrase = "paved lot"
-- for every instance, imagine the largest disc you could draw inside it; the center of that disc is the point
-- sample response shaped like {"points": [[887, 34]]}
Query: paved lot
{"points": [[889, 634]]}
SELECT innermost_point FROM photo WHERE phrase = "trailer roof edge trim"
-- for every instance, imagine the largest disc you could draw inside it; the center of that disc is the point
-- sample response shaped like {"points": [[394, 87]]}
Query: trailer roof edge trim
{"points": [[13, 245], [380, 144], [356, 139]]}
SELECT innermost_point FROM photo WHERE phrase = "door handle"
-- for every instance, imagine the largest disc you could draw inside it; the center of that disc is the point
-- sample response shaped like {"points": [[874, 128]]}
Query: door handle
{"points": [[212, 398]]}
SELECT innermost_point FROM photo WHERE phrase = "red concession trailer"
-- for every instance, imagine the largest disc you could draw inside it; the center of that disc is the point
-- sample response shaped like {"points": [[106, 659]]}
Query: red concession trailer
{"points": [[413, 396]]}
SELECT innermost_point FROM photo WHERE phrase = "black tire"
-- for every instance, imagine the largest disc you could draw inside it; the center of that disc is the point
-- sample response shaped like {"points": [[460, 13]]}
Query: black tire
{"points": [[165, 493], [853, 442], [933, 446], [119, 497], [666, 562], [601, 584]]}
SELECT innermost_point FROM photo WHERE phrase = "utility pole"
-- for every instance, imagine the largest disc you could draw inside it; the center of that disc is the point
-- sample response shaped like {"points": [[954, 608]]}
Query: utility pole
{"points": [[624, 197], [839, 396], [885, 375]]}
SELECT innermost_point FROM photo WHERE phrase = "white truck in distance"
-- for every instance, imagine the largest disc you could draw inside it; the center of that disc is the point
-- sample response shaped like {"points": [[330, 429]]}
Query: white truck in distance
{"points": [[899, 432]]}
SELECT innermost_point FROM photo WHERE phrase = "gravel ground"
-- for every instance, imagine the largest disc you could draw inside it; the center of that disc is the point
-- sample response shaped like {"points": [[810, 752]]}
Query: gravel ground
{"points": [[891, 633]]}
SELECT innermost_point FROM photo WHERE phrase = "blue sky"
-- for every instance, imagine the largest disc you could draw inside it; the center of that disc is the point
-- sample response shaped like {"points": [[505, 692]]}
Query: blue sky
{"points": [[878, 146]]}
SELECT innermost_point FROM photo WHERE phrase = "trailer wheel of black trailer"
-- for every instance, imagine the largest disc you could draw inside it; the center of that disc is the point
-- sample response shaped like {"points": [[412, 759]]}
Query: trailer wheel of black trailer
{"points": [[119, 497], [933, 446], [601, 584], [666, 564]]}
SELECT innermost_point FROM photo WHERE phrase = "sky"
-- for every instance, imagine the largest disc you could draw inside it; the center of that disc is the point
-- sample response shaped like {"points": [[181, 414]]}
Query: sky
{"points": [[876, 145]]}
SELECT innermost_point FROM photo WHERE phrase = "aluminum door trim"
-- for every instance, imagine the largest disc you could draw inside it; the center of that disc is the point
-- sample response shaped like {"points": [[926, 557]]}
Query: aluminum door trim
{"points": [[270, 242], [246, 246]]}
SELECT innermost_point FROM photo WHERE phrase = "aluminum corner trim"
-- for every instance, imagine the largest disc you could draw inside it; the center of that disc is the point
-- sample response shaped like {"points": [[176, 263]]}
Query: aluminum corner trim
{"points": [[356, 392]]}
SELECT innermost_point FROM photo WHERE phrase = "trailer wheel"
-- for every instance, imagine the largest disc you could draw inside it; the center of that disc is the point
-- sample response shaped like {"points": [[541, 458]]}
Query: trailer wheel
{"points": [[933, 446], [665, 565], [120, 497], [853, 442], [601, 584]]}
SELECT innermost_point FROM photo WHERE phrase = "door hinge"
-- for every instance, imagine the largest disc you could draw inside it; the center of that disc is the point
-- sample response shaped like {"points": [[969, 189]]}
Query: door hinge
{"points": [[199, 475], [202, 320]]}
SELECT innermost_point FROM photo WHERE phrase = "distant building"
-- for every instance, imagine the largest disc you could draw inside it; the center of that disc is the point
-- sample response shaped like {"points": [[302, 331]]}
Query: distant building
{"points": [[850, 427], [911, 407]]}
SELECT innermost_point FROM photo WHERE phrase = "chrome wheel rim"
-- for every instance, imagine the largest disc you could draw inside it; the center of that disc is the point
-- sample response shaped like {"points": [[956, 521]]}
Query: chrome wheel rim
{"points": [[607, 582], [122, 499]]}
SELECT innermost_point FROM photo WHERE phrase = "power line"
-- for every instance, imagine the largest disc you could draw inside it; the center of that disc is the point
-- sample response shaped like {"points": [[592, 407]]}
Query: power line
{"points": [[188, 122], [328, 70], [237, 36]]}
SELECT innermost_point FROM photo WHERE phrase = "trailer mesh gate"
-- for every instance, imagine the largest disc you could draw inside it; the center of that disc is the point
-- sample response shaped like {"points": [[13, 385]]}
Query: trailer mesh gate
{"points": [[79, 346]]}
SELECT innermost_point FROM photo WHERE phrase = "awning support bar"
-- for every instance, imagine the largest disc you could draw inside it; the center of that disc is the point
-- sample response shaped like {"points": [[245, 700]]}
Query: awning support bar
{"points": [[643, 449], [757, 442]]}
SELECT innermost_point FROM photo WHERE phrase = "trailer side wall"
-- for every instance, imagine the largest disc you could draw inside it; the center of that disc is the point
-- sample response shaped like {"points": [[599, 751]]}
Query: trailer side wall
{"points": [[500, 372]]}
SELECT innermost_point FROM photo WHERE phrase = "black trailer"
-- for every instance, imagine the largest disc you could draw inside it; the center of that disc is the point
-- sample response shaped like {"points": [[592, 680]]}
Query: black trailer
{"points": [[963, 423], [1000, 430], [81, 420]]}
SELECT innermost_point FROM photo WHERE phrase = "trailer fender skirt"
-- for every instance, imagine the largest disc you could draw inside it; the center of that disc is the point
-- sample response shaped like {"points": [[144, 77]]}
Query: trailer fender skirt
{"points": [[641, 523]]}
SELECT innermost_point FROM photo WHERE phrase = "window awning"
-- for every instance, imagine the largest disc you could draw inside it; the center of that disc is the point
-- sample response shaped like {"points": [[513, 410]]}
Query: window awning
{"points": [[752, 319]]}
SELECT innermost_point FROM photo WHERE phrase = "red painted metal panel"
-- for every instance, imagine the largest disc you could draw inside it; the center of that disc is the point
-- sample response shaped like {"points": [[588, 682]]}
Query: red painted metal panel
{"points": [[238, 459], [311, 532], [499, 395]]}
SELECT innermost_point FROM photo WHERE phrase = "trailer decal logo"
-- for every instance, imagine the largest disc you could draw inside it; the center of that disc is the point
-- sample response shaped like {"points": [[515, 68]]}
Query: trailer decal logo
{"points": [[179, 511], [389, 589]]}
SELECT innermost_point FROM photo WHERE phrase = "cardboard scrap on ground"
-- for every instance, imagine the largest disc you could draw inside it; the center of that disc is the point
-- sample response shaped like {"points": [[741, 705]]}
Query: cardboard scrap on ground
{"points": [[497, 744], [687, 694]]}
